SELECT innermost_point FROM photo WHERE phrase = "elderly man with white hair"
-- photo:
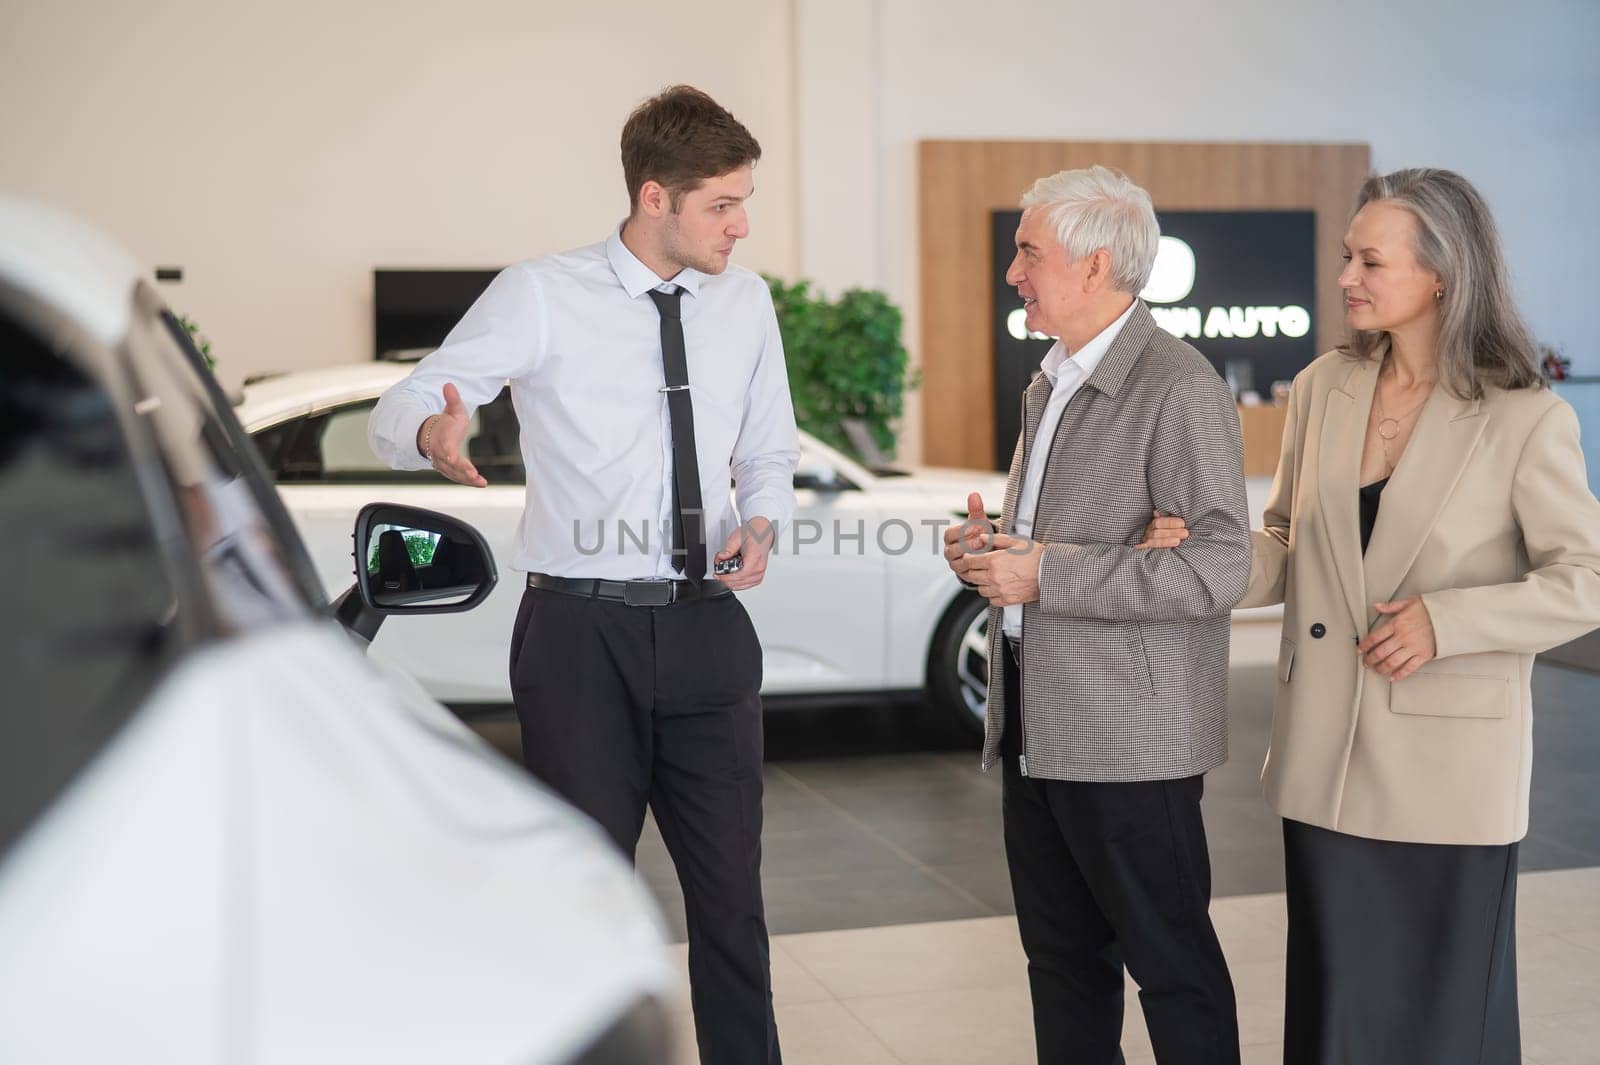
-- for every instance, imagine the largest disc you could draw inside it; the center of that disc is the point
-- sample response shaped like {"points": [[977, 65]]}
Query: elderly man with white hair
{"points": [[1108, 661]]}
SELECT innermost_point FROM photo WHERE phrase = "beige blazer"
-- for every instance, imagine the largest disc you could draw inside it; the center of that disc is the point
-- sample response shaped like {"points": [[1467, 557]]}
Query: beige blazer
{"points": [[1489, 518]]}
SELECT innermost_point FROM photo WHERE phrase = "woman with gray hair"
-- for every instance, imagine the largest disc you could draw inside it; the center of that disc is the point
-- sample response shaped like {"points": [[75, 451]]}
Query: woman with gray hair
{"points": [[1430, 530]]}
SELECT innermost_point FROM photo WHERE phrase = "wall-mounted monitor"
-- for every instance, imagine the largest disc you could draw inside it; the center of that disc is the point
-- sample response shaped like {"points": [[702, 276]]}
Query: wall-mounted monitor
{"points": [[414, 310]]}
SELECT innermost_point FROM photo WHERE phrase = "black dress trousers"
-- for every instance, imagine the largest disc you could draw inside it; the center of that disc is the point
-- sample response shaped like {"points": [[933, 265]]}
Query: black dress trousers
{"points": [[623, 706], [1106, 875]]}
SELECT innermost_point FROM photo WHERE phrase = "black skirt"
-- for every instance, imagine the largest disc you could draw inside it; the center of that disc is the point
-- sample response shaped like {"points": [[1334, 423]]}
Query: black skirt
{"points": [[1401, 953]]}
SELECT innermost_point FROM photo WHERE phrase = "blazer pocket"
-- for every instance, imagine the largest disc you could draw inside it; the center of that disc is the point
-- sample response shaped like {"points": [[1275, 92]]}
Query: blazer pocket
{"points": [[1141, 652], [1285, 660], [1109, 659], [1480, 686]]}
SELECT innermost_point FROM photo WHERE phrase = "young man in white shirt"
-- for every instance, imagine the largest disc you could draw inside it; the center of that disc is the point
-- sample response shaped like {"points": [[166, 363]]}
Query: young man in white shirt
{"points": [[645, 372]]}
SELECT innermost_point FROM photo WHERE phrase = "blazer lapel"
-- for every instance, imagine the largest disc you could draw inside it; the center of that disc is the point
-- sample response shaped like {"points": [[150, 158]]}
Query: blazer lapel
{"points": [[1034, 399], [1440, 446], [1344, 430], [1126, 348]]}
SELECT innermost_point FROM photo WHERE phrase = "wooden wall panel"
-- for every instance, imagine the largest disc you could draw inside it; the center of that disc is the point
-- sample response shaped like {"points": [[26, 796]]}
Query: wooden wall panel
{"points": [[961, 182], [1262, 428]]}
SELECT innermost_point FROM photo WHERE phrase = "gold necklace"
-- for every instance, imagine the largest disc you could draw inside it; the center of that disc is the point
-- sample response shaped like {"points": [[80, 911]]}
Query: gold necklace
{"points": [[1389, 428]]}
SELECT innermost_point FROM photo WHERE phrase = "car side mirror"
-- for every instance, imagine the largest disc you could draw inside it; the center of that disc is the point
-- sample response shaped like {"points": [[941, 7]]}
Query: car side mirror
{"points": [[413, 561]]}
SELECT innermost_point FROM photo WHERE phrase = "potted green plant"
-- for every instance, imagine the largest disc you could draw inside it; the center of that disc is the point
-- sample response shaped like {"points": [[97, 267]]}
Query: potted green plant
{"points": [[846, 363]]}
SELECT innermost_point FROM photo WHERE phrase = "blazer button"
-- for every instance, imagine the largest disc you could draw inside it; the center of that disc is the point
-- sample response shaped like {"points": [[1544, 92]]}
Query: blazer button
{"points": [[1318, 631]]}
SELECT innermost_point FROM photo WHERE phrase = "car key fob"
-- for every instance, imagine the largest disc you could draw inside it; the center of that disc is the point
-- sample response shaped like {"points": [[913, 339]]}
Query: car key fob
{"points": [[723, 566]]}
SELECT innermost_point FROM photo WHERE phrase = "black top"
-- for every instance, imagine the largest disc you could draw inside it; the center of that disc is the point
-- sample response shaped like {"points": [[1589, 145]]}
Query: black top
{"points": [[1369, 509]]}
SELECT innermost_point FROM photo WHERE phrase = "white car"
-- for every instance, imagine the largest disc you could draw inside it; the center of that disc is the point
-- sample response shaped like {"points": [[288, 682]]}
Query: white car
{"points": [[225, 835], [858, 600]]}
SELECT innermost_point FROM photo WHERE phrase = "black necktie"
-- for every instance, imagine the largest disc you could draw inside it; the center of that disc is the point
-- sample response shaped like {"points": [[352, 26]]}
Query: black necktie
{"points": [[688, 541]]}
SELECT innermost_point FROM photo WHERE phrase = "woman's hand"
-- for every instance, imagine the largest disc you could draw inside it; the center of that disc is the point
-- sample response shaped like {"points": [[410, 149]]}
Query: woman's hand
{"points": [[1402, 642], [1164, 530]]}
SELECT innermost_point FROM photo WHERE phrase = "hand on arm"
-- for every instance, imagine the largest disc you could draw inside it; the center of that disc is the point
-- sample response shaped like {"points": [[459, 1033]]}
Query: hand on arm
{"points": [[1269, 545], [1164, 530], [1194, 468]]}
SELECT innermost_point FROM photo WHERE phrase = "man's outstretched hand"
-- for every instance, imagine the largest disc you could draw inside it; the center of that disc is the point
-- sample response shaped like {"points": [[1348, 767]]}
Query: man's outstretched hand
{"points": [[442, 438]]}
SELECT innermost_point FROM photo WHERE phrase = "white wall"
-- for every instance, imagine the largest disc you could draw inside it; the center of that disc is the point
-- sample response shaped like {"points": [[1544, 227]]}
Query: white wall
{"points": [[279, 152], [1507, 94]]}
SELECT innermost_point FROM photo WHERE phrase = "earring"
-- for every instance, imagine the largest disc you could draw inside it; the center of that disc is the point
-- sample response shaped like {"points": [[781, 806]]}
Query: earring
{"points": [[1438, 294]]}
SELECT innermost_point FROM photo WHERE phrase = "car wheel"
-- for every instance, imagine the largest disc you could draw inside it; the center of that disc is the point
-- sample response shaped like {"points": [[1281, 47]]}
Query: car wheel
{"points": [[958, 664]]}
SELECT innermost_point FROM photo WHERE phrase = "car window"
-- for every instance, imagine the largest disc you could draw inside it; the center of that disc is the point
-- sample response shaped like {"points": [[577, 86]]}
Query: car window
{"points": [[343, 449], [330, 447], [95, 598], [270, 444]]}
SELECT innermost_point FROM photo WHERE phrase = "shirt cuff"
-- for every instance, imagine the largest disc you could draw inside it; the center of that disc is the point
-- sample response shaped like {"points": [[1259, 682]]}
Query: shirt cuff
{"points": [[770, 505], [394, 440]]}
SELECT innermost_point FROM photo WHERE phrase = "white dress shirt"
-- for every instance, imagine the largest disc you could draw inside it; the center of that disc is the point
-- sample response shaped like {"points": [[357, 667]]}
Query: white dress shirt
{"points": [[1067, 372], [580, 343]]}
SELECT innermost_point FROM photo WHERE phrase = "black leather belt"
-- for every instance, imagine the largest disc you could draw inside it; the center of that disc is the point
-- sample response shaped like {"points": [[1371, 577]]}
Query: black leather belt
{"points": [[657, 591]]}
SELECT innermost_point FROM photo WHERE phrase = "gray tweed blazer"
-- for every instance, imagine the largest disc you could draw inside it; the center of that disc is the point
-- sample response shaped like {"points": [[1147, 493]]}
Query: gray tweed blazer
{"points": [[1125, 654]]}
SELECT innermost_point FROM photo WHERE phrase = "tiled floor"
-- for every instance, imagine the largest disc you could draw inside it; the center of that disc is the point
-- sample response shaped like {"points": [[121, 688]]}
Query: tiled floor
{"points": [[955, 992], [887, 894], [874, 817]]}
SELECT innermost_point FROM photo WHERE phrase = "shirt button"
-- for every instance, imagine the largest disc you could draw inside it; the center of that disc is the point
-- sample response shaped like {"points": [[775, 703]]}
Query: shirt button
{"points": [[1318, 631]]}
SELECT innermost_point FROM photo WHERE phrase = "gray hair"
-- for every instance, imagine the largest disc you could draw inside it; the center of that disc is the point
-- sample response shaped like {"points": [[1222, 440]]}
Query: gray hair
{"points": [[1100, 208], [1482, 337]]}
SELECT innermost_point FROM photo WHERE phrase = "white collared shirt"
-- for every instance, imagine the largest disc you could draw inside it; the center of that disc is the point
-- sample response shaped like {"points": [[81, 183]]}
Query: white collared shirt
{"points": [[1067, 372], [580, 343]]}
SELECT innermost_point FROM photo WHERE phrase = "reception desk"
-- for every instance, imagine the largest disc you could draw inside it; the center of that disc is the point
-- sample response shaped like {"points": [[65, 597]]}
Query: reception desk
{"points": [[1262, 427]]}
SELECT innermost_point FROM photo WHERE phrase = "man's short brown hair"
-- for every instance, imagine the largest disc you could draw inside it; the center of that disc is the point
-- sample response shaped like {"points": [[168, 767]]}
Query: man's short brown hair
{"points": [[679, 138]]}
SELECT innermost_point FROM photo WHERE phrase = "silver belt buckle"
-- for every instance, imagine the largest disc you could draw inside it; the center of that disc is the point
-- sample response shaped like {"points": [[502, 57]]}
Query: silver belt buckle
{"points": [[649, 591]]}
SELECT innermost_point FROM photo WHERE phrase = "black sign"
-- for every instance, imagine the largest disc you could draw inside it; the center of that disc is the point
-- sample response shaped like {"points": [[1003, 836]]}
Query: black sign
{"points": [[1238, 285], [415, 309]]}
